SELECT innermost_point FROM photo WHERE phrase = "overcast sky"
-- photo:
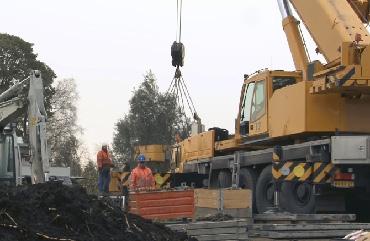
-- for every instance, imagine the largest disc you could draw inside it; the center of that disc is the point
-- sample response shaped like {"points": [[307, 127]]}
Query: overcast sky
{"points": [[107, 46]]}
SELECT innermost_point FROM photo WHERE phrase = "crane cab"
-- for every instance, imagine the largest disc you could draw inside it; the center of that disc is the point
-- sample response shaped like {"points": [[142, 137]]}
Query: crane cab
{"points": [[253, 117], [276, 105]]}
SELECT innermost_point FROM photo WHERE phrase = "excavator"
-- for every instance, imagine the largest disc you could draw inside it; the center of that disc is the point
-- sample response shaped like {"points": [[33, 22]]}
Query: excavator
{"points": [[26, 96], [302, 137]]}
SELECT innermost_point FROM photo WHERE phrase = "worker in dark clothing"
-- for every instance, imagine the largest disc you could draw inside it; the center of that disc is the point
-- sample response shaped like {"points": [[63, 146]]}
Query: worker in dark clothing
{"points": [[104, 164]]}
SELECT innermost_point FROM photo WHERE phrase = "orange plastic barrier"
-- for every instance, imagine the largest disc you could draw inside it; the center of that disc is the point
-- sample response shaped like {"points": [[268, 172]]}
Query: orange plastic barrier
{"points": [[163, 205]]}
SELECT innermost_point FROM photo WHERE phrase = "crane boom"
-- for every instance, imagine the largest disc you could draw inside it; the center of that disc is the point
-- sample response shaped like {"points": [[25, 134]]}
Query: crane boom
{"points": [[331, 23], [294, 37], [362, 8]]}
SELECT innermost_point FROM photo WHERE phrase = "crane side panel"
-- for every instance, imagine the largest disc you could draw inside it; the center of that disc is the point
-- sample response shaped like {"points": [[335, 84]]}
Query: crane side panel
{"points": [[356, 114], [365, 62], [199, 146], [293, 110], [323, 112], [330, 23], [287, 111], [332, 112], [153, 152]]}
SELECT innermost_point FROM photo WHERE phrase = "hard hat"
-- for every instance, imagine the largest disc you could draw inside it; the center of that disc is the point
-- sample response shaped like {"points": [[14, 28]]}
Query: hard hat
{"points": [[141, 158]]}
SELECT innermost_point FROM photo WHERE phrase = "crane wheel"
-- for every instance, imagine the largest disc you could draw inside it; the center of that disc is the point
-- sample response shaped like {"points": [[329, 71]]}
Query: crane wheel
{"points": [[265, 190], [213, 181], [248, 180], [224, 179], [297, 197]]}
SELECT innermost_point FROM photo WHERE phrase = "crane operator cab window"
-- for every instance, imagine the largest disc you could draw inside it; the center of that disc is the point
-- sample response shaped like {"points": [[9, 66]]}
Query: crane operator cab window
{"points": [[7, 160], [246, 109], [279, 82], [253, 106], [258, 101]]}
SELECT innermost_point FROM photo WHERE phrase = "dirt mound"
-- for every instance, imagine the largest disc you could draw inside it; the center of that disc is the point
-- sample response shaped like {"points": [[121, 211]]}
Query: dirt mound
{"points": [[53, 211]]}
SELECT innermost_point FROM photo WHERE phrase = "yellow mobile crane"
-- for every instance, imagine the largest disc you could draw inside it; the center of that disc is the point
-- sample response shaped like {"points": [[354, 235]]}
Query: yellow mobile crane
{"points": [[304, 134]]}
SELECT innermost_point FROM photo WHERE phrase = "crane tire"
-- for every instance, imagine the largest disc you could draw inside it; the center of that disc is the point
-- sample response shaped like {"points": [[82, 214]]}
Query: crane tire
{"points": [[265, 190], [248, 180], [297, 197], [224, 179], [213, 181]]}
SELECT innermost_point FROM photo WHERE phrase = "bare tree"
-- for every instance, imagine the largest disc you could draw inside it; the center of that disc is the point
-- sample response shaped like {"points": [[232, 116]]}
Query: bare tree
{"points": [[63, 129], [90, 181]]}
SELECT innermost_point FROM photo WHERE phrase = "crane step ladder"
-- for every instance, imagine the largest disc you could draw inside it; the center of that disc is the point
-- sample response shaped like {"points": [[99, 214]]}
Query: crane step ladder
{"points": [[235, 171]]}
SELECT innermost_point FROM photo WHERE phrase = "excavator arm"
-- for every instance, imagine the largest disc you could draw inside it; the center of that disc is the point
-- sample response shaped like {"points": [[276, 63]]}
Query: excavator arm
{"points": [[37, 129], [13, 104]]}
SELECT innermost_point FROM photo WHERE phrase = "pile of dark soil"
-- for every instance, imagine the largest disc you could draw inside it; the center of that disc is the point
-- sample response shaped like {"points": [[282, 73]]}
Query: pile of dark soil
{"points": [[53, 211]]}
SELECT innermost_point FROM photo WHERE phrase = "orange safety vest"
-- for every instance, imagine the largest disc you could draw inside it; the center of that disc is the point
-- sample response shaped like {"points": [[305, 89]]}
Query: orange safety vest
{"points": [[103, 159], [141, 178]]}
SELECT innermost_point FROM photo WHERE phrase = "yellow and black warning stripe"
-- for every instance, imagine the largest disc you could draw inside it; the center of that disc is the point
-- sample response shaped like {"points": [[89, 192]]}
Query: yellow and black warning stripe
{"points": [[162, 179], [323, 172], [125, 179], [279, 170], [318, 172]]}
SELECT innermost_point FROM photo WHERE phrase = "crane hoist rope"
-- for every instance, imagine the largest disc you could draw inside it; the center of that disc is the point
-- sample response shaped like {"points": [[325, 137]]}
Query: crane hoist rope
{"points": [[179, 89], [178, 86], [179, 22]]}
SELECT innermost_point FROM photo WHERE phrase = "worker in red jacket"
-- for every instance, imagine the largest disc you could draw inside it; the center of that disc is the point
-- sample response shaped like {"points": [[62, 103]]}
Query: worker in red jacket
{"points": [[141, 176], [104, 164]]}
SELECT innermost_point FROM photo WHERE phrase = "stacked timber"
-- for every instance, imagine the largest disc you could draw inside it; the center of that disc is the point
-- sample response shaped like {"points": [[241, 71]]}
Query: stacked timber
{"points": [[235, 203], [212, 231], [284, 227]]}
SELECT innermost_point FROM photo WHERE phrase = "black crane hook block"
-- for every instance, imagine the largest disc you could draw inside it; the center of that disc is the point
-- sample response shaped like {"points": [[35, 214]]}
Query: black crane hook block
{"points": [[178, 54]]}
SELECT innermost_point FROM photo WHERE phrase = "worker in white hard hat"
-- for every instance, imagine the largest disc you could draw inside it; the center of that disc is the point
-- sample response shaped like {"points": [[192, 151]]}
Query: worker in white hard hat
{"points": [[104, 164], [141, 177]]}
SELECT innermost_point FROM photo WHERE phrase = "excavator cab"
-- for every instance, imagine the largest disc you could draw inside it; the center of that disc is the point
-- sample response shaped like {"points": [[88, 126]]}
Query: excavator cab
{"points": [[9, 170]]}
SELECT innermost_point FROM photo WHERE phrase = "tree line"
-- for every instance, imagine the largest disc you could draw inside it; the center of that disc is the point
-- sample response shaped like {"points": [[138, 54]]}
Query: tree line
{"points": [[17, 60], [153, 117]]}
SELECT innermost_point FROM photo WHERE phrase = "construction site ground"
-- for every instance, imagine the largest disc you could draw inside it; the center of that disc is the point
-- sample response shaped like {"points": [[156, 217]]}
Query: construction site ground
{"points": [[53, 211], [275, 226]]}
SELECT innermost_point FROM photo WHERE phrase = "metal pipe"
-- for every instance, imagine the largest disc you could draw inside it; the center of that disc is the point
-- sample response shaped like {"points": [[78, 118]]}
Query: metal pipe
{"points": [[284, 8]]}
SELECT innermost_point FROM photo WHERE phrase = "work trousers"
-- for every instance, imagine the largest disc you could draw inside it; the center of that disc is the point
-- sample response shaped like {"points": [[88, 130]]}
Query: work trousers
{"points": [[104, 180], [100, 183]]}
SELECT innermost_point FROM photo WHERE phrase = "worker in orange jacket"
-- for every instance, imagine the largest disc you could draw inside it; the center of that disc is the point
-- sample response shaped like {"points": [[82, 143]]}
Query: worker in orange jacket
{"points": [[104, 164], [141, 176]]}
